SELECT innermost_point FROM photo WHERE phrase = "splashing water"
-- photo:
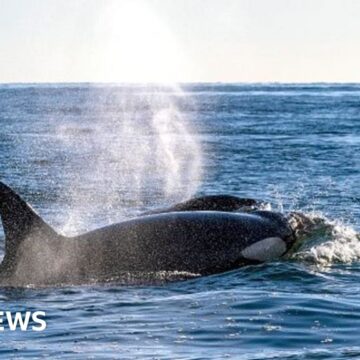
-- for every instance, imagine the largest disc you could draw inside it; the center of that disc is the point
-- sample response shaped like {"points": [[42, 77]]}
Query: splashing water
{"points": [[323, 242], [327, 242], [126, 143]]}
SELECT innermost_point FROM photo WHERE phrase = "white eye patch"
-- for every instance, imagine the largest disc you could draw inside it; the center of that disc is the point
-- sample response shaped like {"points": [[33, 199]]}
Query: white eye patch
{"points": [[265, 250]]}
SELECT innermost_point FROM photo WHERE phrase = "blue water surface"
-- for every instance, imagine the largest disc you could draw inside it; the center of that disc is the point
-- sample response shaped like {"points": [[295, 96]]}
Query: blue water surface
{"points": [[86, 155]]}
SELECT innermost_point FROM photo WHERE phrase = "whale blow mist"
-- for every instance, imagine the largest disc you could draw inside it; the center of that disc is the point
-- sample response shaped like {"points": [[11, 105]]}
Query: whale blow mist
{"points": [[126, 138]]}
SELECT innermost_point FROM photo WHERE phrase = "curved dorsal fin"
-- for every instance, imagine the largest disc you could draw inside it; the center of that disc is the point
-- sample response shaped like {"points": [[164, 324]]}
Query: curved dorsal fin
{"points": [[19, 220]]}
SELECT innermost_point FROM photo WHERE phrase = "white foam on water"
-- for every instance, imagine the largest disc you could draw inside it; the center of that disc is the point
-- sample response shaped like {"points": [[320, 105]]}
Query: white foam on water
{"points": [[327, 242]]}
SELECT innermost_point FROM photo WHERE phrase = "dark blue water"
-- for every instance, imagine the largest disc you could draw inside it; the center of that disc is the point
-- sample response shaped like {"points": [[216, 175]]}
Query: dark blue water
{"points": [[89, 155]]}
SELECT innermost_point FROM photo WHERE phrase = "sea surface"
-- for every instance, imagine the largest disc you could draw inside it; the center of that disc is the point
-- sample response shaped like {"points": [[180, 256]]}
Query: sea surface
{"points": [[87, 155]]}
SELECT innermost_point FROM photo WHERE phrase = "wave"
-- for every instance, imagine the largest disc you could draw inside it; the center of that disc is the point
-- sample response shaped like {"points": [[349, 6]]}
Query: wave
{"points": [[326, 242]]}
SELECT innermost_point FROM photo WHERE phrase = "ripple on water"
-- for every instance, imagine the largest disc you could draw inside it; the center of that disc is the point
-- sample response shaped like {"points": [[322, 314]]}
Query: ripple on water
{"points": [[294, 146]]}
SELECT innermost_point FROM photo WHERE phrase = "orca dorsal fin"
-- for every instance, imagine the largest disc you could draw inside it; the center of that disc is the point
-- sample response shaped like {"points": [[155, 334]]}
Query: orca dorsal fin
{"points": [[19, 220]]}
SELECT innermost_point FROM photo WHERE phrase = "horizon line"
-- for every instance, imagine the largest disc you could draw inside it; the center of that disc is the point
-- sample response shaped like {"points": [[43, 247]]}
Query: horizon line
{"points": [[178, 83]]}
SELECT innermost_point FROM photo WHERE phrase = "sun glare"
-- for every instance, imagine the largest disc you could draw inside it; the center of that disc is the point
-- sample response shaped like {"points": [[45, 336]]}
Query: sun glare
{"points": [[133, 44]]}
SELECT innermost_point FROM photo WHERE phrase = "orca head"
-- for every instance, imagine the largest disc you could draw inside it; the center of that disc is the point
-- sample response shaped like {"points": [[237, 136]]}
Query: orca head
{"points": [[271, 247]]}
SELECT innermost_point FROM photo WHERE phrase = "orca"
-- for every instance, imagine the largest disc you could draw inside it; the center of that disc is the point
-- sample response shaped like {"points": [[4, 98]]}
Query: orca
{"points": [[211, 202], [209, 239]]}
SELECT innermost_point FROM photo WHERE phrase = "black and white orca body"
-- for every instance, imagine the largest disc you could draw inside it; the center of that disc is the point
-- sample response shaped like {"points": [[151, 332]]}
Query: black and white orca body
{"points": [[201, 242]]}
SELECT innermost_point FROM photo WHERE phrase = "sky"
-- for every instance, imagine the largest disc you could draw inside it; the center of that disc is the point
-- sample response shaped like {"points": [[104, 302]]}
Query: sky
{"points": [[179, 41]]}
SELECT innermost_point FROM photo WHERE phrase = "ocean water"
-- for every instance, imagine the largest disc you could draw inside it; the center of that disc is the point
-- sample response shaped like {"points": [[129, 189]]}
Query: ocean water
{"points": [[87, 155]]}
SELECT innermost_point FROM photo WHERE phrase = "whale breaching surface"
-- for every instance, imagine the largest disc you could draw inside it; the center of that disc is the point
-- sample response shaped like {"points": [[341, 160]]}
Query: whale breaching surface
{"points": [[202, 236]]}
